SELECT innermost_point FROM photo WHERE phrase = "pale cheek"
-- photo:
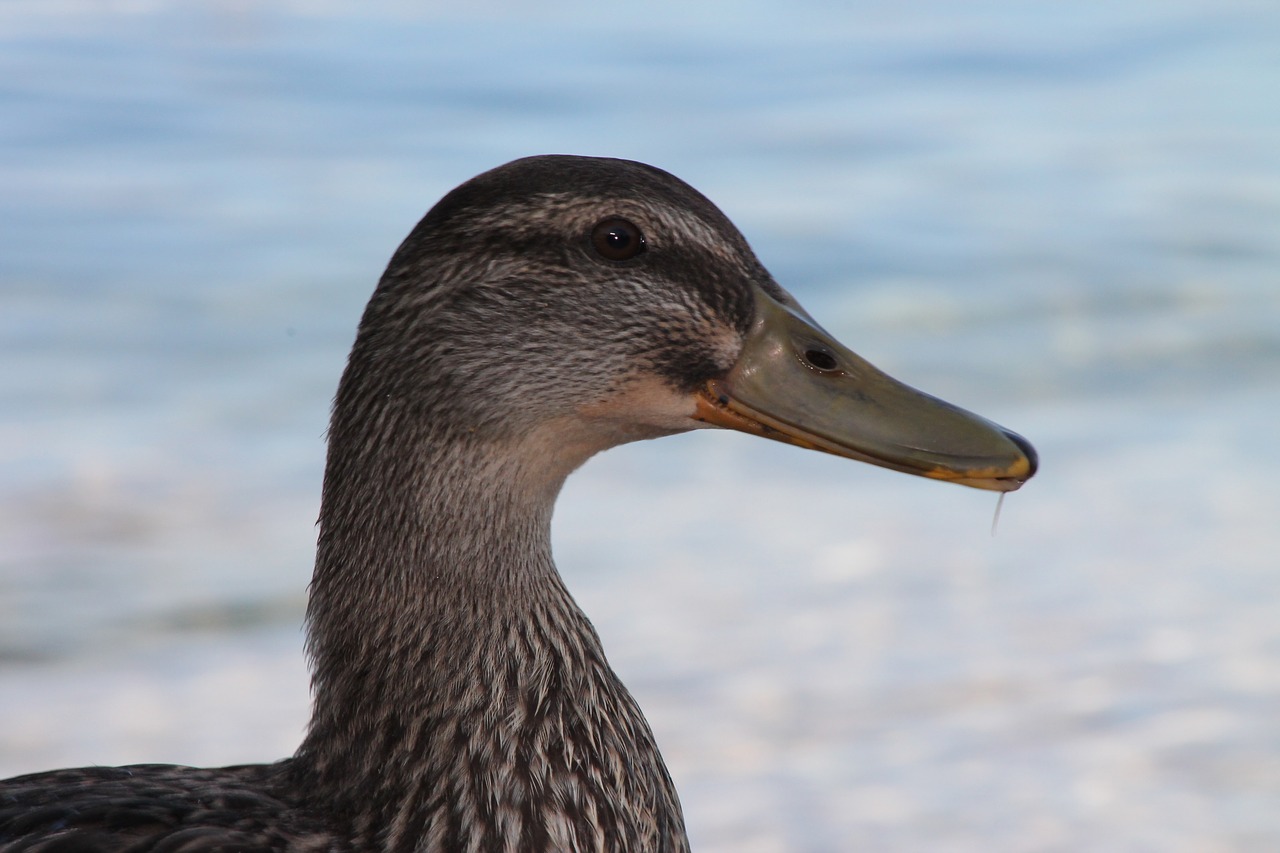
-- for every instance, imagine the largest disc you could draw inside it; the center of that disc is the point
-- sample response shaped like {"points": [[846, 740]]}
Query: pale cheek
{"points": [[647, 403]]}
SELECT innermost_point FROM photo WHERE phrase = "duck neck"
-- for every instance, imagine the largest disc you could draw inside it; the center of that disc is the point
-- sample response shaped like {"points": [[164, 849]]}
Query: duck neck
{"points": [[462, 699]]}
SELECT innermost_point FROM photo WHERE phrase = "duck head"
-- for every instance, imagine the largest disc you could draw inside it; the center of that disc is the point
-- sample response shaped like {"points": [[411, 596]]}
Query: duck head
{"points": [[580, 303]]}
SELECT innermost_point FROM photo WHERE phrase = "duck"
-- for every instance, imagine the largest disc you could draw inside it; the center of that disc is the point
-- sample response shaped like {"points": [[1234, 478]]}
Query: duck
{"points": [[539, 313]]}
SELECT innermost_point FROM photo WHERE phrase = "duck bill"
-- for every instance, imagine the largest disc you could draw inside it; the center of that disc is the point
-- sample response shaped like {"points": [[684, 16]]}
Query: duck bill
{"points": [[793, 382]]}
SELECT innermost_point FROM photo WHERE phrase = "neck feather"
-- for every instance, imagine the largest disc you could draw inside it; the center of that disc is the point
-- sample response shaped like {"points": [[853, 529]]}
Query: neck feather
{"points": [[462, 699]]}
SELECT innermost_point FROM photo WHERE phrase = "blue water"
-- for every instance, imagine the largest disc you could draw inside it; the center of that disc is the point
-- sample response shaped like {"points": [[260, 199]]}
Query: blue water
{"points": [[1064, 216]]}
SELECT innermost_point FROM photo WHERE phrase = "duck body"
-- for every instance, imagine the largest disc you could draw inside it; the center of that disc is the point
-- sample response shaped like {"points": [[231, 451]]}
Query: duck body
{"points": [[540, 313], [153, 807]]}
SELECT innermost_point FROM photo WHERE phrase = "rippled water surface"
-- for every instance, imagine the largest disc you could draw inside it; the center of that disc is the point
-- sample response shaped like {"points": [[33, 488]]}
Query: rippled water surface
{"points": [[1064, 216]]}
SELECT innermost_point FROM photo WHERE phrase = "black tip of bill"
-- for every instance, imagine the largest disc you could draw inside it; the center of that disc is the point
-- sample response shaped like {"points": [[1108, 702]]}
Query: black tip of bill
{"points": [[841, 404]]}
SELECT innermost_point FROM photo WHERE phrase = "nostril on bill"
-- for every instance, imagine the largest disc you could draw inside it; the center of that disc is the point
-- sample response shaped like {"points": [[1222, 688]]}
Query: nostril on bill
{"points": [[820, 359]]}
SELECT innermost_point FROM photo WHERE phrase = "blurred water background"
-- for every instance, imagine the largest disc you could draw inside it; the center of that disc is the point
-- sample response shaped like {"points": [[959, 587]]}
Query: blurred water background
{"points": [[1065, 216]]}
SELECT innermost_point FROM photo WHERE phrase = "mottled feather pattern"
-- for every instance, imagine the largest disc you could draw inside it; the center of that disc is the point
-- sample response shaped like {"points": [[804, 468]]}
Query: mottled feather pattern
{"points": [[462, 700], [153, 808], [539, 744]]}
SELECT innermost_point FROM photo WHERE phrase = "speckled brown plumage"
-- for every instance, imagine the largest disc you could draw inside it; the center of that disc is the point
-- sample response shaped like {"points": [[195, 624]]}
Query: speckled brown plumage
{"points": [[462, 700], [155, 807]]}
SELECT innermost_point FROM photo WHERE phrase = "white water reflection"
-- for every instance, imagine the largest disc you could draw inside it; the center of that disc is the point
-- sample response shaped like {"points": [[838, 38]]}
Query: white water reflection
{"points": [[1064, 217]]}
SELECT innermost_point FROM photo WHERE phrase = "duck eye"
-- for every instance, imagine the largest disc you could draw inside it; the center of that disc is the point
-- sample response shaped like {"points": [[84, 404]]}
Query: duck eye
{"points": [[617, 239]]}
